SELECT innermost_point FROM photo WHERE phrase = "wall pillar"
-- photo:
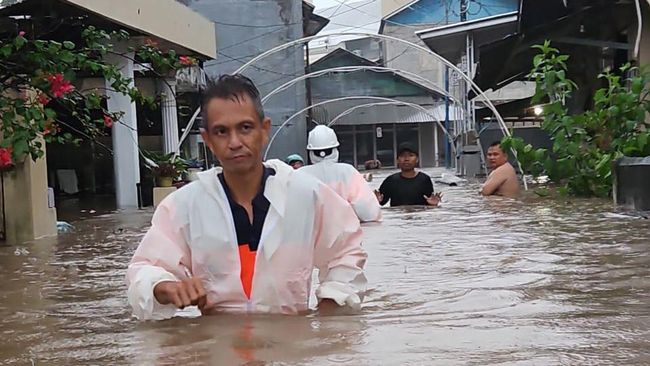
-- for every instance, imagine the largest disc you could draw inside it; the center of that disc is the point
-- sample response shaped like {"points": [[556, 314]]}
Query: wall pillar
{"points": [[126, 160], [28, 212], [169, 111]]}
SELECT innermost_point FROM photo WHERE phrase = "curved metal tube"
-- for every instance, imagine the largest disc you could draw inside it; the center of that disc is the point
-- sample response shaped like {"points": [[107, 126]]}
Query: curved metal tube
{"points": [[314, 74], [186, 133], [352, 109], [469, 80], [473, 85], [416, 106]]}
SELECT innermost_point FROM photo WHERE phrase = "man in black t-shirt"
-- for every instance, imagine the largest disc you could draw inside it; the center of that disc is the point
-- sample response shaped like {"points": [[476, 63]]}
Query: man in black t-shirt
{"points": [[408, 187]]}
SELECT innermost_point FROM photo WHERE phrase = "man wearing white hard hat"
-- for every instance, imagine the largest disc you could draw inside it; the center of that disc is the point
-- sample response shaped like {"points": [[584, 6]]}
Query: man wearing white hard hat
{"points": [[322, 146]]}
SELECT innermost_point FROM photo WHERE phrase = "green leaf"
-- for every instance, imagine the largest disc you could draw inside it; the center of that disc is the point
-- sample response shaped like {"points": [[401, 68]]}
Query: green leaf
{"points": [[69, 45], [19, 42], [6, 50], [67, 57], [54, 47], [637, 86], [642, 141], [604, 163], [50, 113], [630, 151], [20, 147], [528, 148], [40, 44], [70, 75]]}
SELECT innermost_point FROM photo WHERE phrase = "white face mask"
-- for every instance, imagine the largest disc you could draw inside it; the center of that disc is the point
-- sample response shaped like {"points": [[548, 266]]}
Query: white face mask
{"points": [[333, 157]]}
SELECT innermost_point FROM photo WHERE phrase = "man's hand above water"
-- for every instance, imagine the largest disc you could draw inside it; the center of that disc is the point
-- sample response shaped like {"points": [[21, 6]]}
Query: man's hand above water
{"points": [[434, 199], [181, 293]]}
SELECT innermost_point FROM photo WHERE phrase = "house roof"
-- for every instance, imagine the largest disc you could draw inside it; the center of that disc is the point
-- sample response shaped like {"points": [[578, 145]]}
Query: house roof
{"points": [[369, 111], [182, 28], [312, 23], [341, 57]]}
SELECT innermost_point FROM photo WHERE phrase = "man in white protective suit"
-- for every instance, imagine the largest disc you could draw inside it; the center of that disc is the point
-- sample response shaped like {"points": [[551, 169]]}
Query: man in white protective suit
{"points": [[322, 146], [246, 236]]}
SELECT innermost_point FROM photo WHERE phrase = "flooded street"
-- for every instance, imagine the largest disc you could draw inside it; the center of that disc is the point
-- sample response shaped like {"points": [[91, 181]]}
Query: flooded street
{"points": [[474, 282]]}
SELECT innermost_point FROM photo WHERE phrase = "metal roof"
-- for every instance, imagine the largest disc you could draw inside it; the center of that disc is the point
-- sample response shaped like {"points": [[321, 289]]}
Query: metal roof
{"points": [[376, 113]]}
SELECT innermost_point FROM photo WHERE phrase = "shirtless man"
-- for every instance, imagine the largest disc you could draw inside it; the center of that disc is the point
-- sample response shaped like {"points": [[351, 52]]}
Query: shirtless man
{"points": [[503, 179]]}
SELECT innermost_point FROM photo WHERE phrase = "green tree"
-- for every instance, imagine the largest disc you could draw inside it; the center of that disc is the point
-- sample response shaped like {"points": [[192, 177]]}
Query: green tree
{"points": [[585, 145]]}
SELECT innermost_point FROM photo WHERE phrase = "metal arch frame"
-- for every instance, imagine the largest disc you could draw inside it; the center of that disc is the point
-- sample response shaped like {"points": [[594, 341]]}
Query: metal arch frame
{"points": [[351, 109], [368, 105], [356, 97], [187, 131], [467, 79], [315, 74], [480, 93]]}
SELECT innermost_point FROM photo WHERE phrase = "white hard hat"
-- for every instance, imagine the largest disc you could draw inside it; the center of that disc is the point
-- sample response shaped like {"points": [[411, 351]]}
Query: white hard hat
{"points": [[322, 138]]}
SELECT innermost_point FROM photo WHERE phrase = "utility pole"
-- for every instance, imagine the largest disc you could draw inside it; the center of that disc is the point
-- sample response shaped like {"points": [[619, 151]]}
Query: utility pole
{"points": [[469, 59], [463, 10]]}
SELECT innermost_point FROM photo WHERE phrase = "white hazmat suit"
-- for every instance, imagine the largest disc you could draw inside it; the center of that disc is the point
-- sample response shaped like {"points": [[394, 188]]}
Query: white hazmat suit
{"points": [[307, 226], [342, 178]]}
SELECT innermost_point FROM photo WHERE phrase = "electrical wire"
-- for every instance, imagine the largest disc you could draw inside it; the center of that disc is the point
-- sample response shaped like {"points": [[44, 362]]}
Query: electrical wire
{"points": [[372, 15]]}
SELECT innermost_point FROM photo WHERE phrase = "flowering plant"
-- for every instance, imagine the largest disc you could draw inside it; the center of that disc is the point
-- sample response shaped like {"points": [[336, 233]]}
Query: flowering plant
{"points": [[38, 97]]}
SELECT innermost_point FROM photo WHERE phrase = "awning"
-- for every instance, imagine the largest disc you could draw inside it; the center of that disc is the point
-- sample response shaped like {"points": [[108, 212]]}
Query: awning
{"points": [[359, 112], [583, 23], [448, 40], [516, 108]]}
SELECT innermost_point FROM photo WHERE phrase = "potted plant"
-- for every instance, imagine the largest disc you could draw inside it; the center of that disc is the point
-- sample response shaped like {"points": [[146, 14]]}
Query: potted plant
{"points": [[194, 166], [165, 168]]}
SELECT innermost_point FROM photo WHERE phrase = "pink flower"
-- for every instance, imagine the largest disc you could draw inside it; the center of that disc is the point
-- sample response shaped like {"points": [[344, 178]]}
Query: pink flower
{"points": [[43, 99], [21, 34], [59, 85], [46, 129], [6, 160], [186, 61], [108, 121]]}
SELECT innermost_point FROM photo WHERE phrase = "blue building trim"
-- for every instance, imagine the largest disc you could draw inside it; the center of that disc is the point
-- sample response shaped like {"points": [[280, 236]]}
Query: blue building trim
{"points": [[433, 12]]}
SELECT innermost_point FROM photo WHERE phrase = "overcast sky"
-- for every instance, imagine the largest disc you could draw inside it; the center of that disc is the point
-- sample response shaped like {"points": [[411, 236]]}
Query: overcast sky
{"points": [[327, 3]]}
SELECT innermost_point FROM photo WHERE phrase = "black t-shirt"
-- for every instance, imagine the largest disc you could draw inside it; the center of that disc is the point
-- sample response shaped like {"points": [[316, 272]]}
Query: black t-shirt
{"points": [[401, 191], [249, 233]]}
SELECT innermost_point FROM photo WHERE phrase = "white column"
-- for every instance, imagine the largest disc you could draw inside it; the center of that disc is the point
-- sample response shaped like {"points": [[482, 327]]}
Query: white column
{"points": [[125, 136], [167, 89]]}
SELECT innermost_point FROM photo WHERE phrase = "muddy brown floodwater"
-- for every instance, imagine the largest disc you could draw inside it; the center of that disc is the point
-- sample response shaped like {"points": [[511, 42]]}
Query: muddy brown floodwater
{"points": [[474, 282]]}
